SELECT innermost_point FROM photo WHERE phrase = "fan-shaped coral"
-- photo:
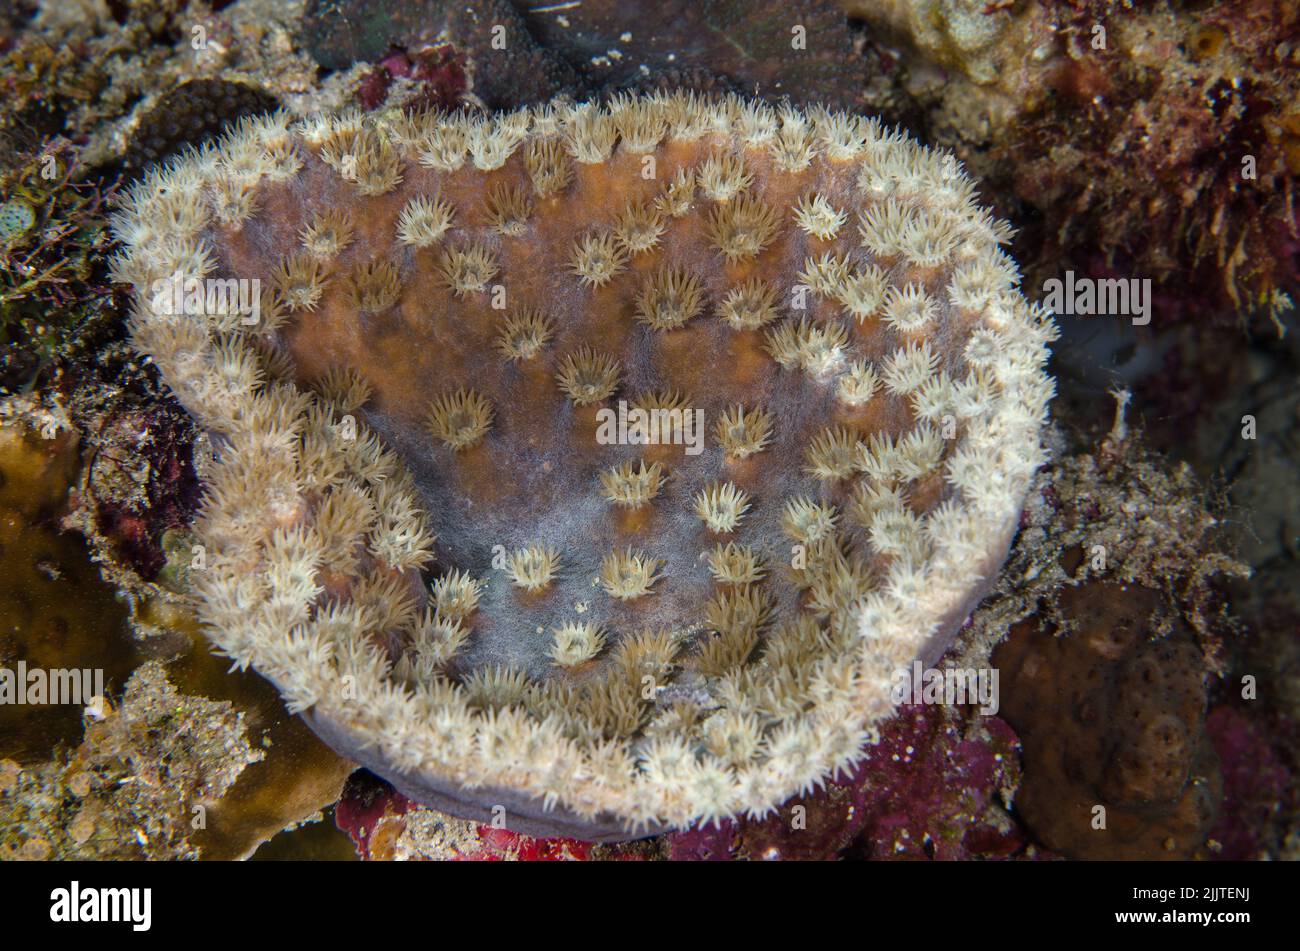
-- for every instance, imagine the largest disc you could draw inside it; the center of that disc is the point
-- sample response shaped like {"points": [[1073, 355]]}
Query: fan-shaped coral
{"points": [[711, 412]]}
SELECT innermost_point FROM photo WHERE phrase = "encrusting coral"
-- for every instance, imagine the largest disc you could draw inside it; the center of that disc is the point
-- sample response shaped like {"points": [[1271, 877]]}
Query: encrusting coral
{"points": [[716, 415], [1109, 716], [190, 113]]}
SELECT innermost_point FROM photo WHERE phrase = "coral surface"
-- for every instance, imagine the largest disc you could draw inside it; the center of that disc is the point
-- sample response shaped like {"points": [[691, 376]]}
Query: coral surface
{"points": [[1154, 139], [872, 389]]}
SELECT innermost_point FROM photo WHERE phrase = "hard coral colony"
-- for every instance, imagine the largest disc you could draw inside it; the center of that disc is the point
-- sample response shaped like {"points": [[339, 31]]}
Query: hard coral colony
{"points": [[622, 635]]}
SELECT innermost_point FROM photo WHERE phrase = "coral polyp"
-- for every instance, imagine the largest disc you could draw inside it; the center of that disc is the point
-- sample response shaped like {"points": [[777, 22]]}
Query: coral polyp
{"points": [[601, 464]]}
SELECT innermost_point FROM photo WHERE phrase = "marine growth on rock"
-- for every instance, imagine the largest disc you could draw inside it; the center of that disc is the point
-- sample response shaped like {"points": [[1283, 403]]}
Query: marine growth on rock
{"points": [[593, 467]]}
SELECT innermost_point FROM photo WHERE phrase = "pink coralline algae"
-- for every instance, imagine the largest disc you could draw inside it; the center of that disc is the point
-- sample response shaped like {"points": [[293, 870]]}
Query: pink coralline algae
{"points": [[1255, 784], [933, 788], [376, 818], [437, 73]]}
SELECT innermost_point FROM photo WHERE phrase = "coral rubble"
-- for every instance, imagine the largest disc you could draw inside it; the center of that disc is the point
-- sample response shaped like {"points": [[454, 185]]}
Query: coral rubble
{"points": [[1154, 140], [135, 785]]}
